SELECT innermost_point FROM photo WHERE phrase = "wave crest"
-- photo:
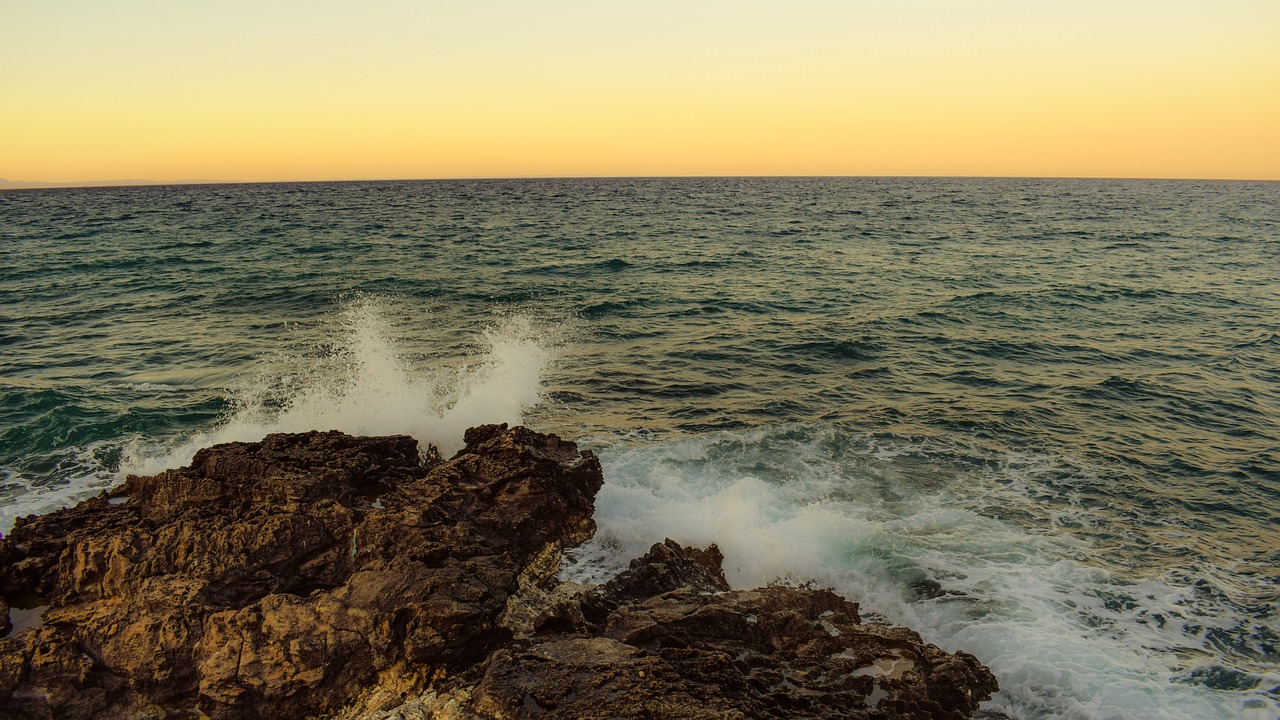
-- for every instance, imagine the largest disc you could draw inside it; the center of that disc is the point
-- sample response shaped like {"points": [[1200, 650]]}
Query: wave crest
{"points": [[367, 383]]}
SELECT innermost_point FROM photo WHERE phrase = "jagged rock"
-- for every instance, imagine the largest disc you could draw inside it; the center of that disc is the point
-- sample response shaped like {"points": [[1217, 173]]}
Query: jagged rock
{"points": [[279, 578], [322, 575], [666, 567], [659, 646]]}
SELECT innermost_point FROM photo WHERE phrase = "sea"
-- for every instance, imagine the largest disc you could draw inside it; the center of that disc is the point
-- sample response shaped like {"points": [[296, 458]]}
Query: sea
{"points": [[1037, 420]]}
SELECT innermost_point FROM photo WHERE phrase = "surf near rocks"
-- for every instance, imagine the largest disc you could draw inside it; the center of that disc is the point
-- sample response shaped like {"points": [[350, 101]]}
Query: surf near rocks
{"points": [[324, 575]]}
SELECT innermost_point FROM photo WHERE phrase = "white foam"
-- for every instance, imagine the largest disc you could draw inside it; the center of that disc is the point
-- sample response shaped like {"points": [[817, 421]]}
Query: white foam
{"points": [[21, 496], [157, 387], [364, 384], [805, 504]]}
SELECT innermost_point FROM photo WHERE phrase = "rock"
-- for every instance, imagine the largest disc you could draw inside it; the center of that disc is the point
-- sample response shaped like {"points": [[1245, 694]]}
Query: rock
{"points": [[666, 567], [281, 578], [322, 575], [671, 649]]}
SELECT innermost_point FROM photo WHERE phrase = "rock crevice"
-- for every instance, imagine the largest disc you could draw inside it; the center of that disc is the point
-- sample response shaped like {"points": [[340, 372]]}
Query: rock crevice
{"points": [[324, 575]]}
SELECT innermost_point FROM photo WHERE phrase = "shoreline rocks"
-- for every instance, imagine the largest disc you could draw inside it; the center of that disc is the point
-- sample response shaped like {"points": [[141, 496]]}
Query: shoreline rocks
{"points": [[323, 575], [667, 638]]}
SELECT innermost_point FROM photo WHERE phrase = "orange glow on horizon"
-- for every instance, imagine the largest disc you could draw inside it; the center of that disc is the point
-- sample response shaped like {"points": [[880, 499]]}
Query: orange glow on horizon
{"points": [[398, 90]]}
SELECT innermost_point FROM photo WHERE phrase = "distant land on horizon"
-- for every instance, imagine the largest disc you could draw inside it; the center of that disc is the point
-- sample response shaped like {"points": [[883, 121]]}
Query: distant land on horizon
{"points": [[6, 184]]}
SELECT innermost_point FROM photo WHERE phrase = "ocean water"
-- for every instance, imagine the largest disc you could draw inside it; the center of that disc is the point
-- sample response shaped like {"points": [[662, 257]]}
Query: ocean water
{"points": [[1036, 420]]}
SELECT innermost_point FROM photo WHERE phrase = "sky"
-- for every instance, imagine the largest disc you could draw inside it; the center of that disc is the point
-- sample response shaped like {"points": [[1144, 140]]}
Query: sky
{"points": [[269, 90]]}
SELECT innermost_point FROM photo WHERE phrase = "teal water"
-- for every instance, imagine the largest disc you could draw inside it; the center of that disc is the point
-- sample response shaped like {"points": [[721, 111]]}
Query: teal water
{"points": [[1038, 420]]}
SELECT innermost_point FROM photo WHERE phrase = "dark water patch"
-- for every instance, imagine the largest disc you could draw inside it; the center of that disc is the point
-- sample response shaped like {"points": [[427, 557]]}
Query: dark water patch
{"points": [[749, 307], [834, 349], [611, 308], [86, 233], [969, 378], [939, 317], [715, 425], [1266, 339], [316, 249], [614, 265], [869, 372], [185, 245], [693, 390], [699, 311]]}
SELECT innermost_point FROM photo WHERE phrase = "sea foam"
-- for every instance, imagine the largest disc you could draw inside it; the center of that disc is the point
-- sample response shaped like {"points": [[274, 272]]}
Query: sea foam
{"points": [[364, 382], [21, 495], [808, 504]]}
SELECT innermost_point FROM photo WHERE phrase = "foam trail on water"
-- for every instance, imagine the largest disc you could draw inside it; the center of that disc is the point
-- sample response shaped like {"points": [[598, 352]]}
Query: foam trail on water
{"points": [[21, 496], [803, 505], [365, 385]]}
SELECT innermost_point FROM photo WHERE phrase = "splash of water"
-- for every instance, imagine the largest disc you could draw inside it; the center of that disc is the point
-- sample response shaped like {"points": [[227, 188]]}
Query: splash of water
{"points": [[1066, 639], [366, 384]]}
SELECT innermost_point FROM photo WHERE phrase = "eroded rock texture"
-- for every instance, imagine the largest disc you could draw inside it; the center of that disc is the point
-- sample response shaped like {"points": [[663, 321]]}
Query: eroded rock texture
{"points": [[321, 575], [665, 640], [280, 578]]}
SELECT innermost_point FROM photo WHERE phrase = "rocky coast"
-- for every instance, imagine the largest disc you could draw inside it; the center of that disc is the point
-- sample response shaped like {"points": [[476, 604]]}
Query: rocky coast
{"points": [[320, 575]]}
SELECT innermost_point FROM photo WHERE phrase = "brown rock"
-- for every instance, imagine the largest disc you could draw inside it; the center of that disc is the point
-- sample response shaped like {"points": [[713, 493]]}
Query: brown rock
{"points": [[279, 578], [692, 652], [321, 575], [666, 567]]}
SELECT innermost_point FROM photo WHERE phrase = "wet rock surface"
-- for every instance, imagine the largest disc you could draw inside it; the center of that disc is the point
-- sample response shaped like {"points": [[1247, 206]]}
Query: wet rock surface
{"points": [[323, 575], [667, 639]]}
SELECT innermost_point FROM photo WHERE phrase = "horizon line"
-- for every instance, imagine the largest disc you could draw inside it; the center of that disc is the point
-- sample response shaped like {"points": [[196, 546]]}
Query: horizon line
{"points": [[6, 184]]}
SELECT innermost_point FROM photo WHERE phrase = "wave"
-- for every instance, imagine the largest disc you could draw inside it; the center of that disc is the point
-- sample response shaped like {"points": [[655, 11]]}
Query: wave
{"points": [[365, 380], [88, 470], [884, 524], [366, 383]]}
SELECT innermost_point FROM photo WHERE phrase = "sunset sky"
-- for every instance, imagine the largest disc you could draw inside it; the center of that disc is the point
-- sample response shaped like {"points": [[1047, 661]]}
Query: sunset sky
{"points": [[234, 90]]}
